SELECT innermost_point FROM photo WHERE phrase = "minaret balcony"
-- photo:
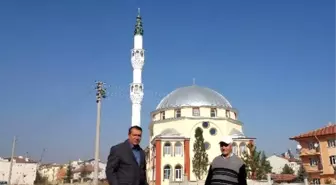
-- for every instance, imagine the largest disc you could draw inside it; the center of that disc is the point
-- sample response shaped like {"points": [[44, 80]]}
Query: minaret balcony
{"points": [[136, 88], [138, 58]]}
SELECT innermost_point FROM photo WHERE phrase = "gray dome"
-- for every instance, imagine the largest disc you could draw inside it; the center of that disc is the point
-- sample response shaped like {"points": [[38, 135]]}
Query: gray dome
{"points": [[195, 96]]}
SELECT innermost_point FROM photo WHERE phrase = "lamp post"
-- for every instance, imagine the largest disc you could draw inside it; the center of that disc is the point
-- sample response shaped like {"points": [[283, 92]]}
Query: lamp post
{"points": [[11, 162], [101, 93]]}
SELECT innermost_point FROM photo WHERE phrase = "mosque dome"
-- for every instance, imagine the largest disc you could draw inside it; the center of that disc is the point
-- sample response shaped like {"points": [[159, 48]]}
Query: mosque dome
{"points": [[194, 96]]}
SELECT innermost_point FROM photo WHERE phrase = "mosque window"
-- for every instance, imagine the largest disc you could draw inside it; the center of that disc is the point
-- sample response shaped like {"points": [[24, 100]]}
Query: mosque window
{"points": [[227, 112], [205, 124], [206, 145], [235, 148], [213, 131], [177, 113], [242, 148], [162, 115], [178, 149], [166, 172], [167, 149], [196, 111], [213, 112]]}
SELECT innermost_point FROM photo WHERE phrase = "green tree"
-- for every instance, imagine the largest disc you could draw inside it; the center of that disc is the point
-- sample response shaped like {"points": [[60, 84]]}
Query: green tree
{"points": [[69, 173], [39, 179], [251, 160], [257, 167], [302, 174], [200, 160], [264, 167], [84, 171], [287, 170]]}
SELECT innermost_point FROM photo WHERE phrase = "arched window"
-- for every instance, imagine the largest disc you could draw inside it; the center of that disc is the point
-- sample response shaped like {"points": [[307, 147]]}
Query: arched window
{"points": [[235, 148], [178, 149], [167, 149], [166, 172], [213, 112], [178, 172], [242, 148]]}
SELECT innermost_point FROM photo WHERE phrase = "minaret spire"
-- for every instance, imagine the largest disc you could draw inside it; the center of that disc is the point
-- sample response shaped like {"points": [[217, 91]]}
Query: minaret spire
{"points": [[138, 25], [138, 61]]}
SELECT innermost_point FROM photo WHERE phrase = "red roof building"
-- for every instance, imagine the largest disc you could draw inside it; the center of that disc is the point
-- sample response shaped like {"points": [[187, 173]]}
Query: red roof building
{"points": [[317, 149]]}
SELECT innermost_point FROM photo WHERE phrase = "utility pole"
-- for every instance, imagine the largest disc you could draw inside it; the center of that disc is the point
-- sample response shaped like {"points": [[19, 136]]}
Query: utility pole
{"points": [[101, 94], [11, 162]]}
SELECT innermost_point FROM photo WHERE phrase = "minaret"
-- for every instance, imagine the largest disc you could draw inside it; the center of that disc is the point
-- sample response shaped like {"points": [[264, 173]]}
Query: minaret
{"points": [[138, 60]]}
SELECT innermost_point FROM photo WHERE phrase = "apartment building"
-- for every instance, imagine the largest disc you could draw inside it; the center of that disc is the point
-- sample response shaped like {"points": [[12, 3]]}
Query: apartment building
{"points": [[23, 170], [317, 150]]}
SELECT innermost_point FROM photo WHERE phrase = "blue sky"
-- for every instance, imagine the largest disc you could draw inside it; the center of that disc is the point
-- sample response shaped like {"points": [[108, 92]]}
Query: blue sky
{"points": [[273, 60]]}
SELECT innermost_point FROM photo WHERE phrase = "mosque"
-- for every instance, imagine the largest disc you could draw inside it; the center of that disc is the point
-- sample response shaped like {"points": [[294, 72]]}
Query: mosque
{"points": [[173, 126], [174, 121]]}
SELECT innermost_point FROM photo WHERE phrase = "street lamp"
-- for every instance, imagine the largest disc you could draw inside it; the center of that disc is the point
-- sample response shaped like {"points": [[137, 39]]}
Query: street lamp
{"points": [[100, 94]]}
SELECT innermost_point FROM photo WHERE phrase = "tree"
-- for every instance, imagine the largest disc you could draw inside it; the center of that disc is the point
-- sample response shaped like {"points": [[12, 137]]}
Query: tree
{"points": [[302, 174], [264, 167], [69, 173], [257, 167], [328, 181], [200, 159], [287, 170], [251, 160], [84, 171], [39, 179]]}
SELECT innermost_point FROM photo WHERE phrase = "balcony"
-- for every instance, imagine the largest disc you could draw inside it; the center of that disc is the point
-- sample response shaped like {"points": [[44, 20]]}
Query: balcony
{"points": [[313, 169], [309, 152]]}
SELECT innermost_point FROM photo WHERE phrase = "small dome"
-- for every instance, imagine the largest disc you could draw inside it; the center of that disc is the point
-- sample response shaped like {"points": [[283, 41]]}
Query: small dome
{"points": [[234, 133], [194, 96], [170, 131]]}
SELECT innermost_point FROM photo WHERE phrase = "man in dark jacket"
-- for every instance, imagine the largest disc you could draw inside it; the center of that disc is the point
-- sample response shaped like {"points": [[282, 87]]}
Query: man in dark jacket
{"points": [[226, 168], [126, 163]]}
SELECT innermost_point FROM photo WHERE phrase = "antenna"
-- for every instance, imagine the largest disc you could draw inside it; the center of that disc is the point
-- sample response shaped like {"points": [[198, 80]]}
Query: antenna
{"points": [[138, 11]]}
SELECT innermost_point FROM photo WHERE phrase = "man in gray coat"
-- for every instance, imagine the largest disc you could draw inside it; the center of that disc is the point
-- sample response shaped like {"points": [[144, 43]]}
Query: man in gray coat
{"points": [[227, 168], [126, 163]]}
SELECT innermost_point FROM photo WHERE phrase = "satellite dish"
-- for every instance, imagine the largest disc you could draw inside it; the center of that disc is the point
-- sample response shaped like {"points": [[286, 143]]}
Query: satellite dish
{"points": [[316, 145], [299, 147]]}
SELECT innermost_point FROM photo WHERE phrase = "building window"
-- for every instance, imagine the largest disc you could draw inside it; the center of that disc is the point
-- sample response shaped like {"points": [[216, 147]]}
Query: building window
{"points": [[213, 112], [162, 115], [196, 111], [316, 181], [313, 161], [166, 172], [332, 160], [332, 143], [178, 149], [213, 131], [178, 172], [177, 113], [205, 124], [207, 145], [311, 145], [167, 149], [227, 113], [235, 148]]}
